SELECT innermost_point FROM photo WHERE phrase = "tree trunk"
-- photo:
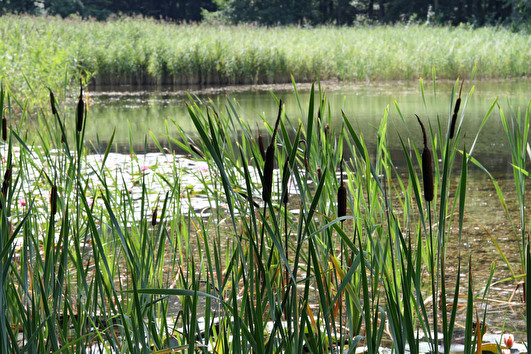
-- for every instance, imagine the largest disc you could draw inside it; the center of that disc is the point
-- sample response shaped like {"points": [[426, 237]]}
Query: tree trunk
{"points": [[381, 10]]}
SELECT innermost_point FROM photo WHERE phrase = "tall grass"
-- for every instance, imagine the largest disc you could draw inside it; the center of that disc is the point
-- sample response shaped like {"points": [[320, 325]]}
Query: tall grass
{"points": [[37, 50], [284, 255]]}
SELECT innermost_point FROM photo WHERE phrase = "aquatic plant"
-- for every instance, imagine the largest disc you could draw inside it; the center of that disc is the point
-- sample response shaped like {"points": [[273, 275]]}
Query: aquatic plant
{"points": [[38, 50], [108, 255]]}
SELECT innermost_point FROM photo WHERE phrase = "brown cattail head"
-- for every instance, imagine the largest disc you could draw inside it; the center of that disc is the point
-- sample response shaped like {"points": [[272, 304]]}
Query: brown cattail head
{"points": [[456, 111], [4, 128], [319, 173], [341, 196], [52, 102], [305, 160], [268, 173], [196, 150], [270, 162], [285, 171], [53, 200], [80, 109], [154, 217], [7, 179], [327, 130], [427, 166]]}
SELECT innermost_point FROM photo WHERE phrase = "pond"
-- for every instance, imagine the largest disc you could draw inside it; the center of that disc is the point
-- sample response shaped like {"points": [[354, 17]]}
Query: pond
{"points": [[134, 113]]}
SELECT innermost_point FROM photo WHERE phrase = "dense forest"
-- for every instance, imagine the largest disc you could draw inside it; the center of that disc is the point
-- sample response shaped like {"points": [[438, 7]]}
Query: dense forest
{"points": [[516, 13]]}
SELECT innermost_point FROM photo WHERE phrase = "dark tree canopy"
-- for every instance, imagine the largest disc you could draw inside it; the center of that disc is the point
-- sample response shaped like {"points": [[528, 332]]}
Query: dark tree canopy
{"points": [[284, 12]]}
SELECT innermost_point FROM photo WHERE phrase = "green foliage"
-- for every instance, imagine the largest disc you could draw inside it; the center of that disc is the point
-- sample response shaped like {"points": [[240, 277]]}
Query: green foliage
{"points": [[38, 50], [307, 12], [96, 253]]}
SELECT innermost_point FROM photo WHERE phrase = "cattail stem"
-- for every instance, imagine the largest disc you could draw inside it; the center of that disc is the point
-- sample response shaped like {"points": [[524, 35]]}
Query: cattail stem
{"points": [[427, 166]]}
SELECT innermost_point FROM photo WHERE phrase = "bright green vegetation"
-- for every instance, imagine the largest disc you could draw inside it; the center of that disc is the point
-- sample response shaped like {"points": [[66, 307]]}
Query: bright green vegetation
{"points": [[104, 265], [36, 51]]}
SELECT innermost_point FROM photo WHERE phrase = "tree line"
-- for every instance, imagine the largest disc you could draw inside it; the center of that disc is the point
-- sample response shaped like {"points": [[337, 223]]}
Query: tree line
{"points": [[286, 12]]}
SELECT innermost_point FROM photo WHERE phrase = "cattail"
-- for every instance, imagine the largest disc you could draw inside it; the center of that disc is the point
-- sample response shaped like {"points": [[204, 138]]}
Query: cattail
{"points": [[327, 130], [341, 196], [256, 205], [319, 119], [52, 102], [196, 150], [319, 174], [285, 172], [270, 161], [154, 217], [427, 168], [7, 179], [456, 110], [305, 160], [53, 200], [4, 128], [80, 108]]}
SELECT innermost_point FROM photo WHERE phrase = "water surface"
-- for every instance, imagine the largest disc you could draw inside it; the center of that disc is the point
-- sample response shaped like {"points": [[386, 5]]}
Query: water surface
{"points": [[136, 112]]}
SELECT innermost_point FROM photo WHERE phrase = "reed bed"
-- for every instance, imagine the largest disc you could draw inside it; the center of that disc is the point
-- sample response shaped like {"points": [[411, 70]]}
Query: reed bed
{"points": [[315, 245], [36, 51]]}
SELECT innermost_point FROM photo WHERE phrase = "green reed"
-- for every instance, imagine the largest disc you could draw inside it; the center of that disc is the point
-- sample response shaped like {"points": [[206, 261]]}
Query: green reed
{"points": [[37, 51], [326, 246]]}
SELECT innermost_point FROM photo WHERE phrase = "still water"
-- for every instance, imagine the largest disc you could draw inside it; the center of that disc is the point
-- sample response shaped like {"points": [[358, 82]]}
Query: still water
{"points": [[135, 113]]}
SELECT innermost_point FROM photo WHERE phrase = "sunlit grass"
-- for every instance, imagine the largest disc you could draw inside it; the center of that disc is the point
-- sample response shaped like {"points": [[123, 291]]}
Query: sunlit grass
{"points": [[36, 51]]}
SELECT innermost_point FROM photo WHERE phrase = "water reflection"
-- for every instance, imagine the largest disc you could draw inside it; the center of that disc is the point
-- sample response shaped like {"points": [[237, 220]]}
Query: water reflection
{"points": [[134, 114]]}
